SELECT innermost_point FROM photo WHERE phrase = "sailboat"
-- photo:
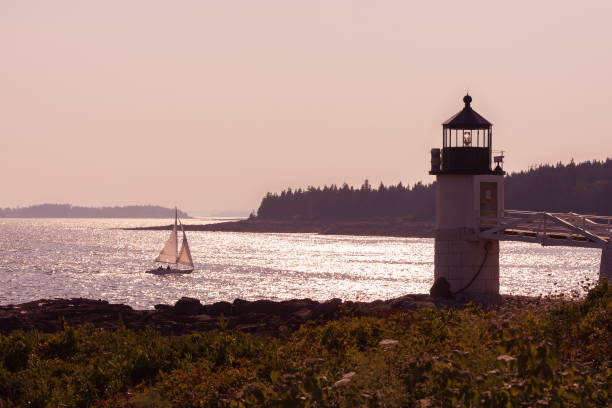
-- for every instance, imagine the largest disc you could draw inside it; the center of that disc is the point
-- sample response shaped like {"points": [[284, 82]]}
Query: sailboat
{"points": [[171, 255]]}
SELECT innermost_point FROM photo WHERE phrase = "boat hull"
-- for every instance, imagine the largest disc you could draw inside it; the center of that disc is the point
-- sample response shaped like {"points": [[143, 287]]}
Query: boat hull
{"points": [[171, 271]]}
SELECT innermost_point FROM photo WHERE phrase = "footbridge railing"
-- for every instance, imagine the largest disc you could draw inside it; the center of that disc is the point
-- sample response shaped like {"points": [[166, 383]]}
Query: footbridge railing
{"points": [[546, 228]]}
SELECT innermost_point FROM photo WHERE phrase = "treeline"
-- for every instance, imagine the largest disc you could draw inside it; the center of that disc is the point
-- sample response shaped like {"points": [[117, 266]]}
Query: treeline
{"points": [[349, 203], [584, 188], [69, 211]]}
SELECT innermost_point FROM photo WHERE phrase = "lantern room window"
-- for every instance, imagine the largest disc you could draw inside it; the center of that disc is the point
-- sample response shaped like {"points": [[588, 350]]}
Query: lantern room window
{"points": [[470, 138]]}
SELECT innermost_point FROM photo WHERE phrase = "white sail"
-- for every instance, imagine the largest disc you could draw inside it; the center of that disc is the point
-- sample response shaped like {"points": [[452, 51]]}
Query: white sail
{"points": [[184, 257], [170, 252]]}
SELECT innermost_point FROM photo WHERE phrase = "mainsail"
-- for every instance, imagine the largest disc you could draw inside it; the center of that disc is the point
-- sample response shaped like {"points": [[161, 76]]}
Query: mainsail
{"points": [[184, 257], [170, 253]]}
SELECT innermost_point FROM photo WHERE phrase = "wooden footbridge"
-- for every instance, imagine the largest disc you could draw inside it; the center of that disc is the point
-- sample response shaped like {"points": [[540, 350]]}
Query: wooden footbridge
{"points": [[545, 228], [553, 229]]}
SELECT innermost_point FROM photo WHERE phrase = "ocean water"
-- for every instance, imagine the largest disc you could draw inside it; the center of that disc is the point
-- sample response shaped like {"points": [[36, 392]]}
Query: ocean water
{"points": [[48, 258]]}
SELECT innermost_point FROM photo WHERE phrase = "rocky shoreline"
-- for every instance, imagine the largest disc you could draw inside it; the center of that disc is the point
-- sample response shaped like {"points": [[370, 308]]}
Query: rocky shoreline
{"points": [[384, 227], [188, 315]]}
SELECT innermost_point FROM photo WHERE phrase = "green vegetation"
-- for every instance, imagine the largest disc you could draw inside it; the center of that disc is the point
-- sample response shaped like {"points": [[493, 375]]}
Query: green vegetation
{"points": [[547, 355]]}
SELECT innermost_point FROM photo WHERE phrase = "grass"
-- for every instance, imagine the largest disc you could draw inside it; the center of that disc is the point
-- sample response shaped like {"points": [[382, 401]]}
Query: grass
{"points": [[529, 356]]}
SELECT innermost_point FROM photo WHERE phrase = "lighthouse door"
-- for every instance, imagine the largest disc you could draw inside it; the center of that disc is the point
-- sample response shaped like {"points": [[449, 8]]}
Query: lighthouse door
{"points": [[488, 203]]}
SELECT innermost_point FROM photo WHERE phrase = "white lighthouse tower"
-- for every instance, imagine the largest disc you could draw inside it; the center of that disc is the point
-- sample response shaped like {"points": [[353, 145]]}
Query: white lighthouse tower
{"points": [[469, 197]]}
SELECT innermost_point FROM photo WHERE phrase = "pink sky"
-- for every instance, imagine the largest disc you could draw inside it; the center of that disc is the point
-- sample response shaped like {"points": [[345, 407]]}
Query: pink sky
{"points": [[209, 105]]}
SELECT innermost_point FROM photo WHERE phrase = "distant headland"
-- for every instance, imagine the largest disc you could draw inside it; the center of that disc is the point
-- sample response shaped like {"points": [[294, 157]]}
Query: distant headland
{"points": [[70, 211]]}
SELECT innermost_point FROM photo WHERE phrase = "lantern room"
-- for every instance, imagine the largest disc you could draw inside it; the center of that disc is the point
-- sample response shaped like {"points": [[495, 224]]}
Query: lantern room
{"points": [[466, 144]]}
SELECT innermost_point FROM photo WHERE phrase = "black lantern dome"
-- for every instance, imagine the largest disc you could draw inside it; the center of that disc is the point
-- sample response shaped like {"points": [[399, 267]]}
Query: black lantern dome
{"points": [[467, 118], [466, 143]]}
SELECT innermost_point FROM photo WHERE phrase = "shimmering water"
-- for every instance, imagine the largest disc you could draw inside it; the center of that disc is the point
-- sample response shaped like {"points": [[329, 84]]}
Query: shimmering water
{"points": [[46, 258]]}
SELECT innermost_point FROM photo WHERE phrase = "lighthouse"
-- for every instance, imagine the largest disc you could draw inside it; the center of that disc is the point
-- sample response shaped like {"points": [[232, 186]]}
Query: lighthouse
{"points": [[469, 198]]}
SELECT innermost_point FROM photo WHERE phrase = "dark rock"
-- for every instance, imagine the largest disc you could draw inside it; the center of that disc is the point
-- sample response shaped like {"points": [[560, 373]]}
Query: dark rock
{"points": [[284, 308], [248, 318], [402, 303], [302, 314], [188, 306], [326, 309], [240, 306], [10, 323], [289, 307], [188, 315], [441, 288], [249, 328], [203, 318], [218, 309], [259, 306]]}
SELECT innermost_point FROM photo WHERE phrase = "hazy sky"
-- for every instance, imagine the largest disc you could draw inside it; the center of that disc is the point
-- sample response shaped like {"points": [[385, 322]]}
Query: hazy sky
{"points": [[209, 105]]}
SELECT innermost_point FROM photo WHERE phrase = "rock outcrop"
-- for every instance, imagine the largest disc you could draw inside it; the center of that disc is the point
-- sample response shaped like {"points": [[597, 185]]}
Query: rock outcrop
{"points": [[188, 315]]}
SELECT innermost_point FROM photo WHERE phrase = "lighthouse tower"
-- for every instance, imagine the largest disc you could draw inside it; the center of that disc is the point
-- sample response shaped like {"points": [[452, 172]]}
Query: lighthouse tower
{"points": [[469, 197]]}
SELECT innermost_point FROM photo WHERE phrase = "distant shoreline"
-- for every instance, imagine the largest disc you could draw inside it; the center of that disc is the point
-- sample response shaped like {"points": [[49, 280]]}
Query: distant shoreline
{"points": [[70, 211], [386, 228], [50, 217]]}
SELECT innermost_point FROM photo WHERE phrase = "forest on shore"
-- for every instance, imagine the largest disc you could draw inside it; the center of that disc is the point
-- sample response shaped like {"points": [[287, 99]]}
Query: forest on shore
{"points": [[70, 211], [583, 188]]}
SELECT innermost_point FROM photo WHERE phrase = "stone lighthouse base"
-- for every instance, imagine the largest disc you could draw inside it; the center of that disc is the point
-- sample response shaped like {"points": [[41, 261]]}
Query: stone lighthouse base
{"points": [[459, 257]]}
